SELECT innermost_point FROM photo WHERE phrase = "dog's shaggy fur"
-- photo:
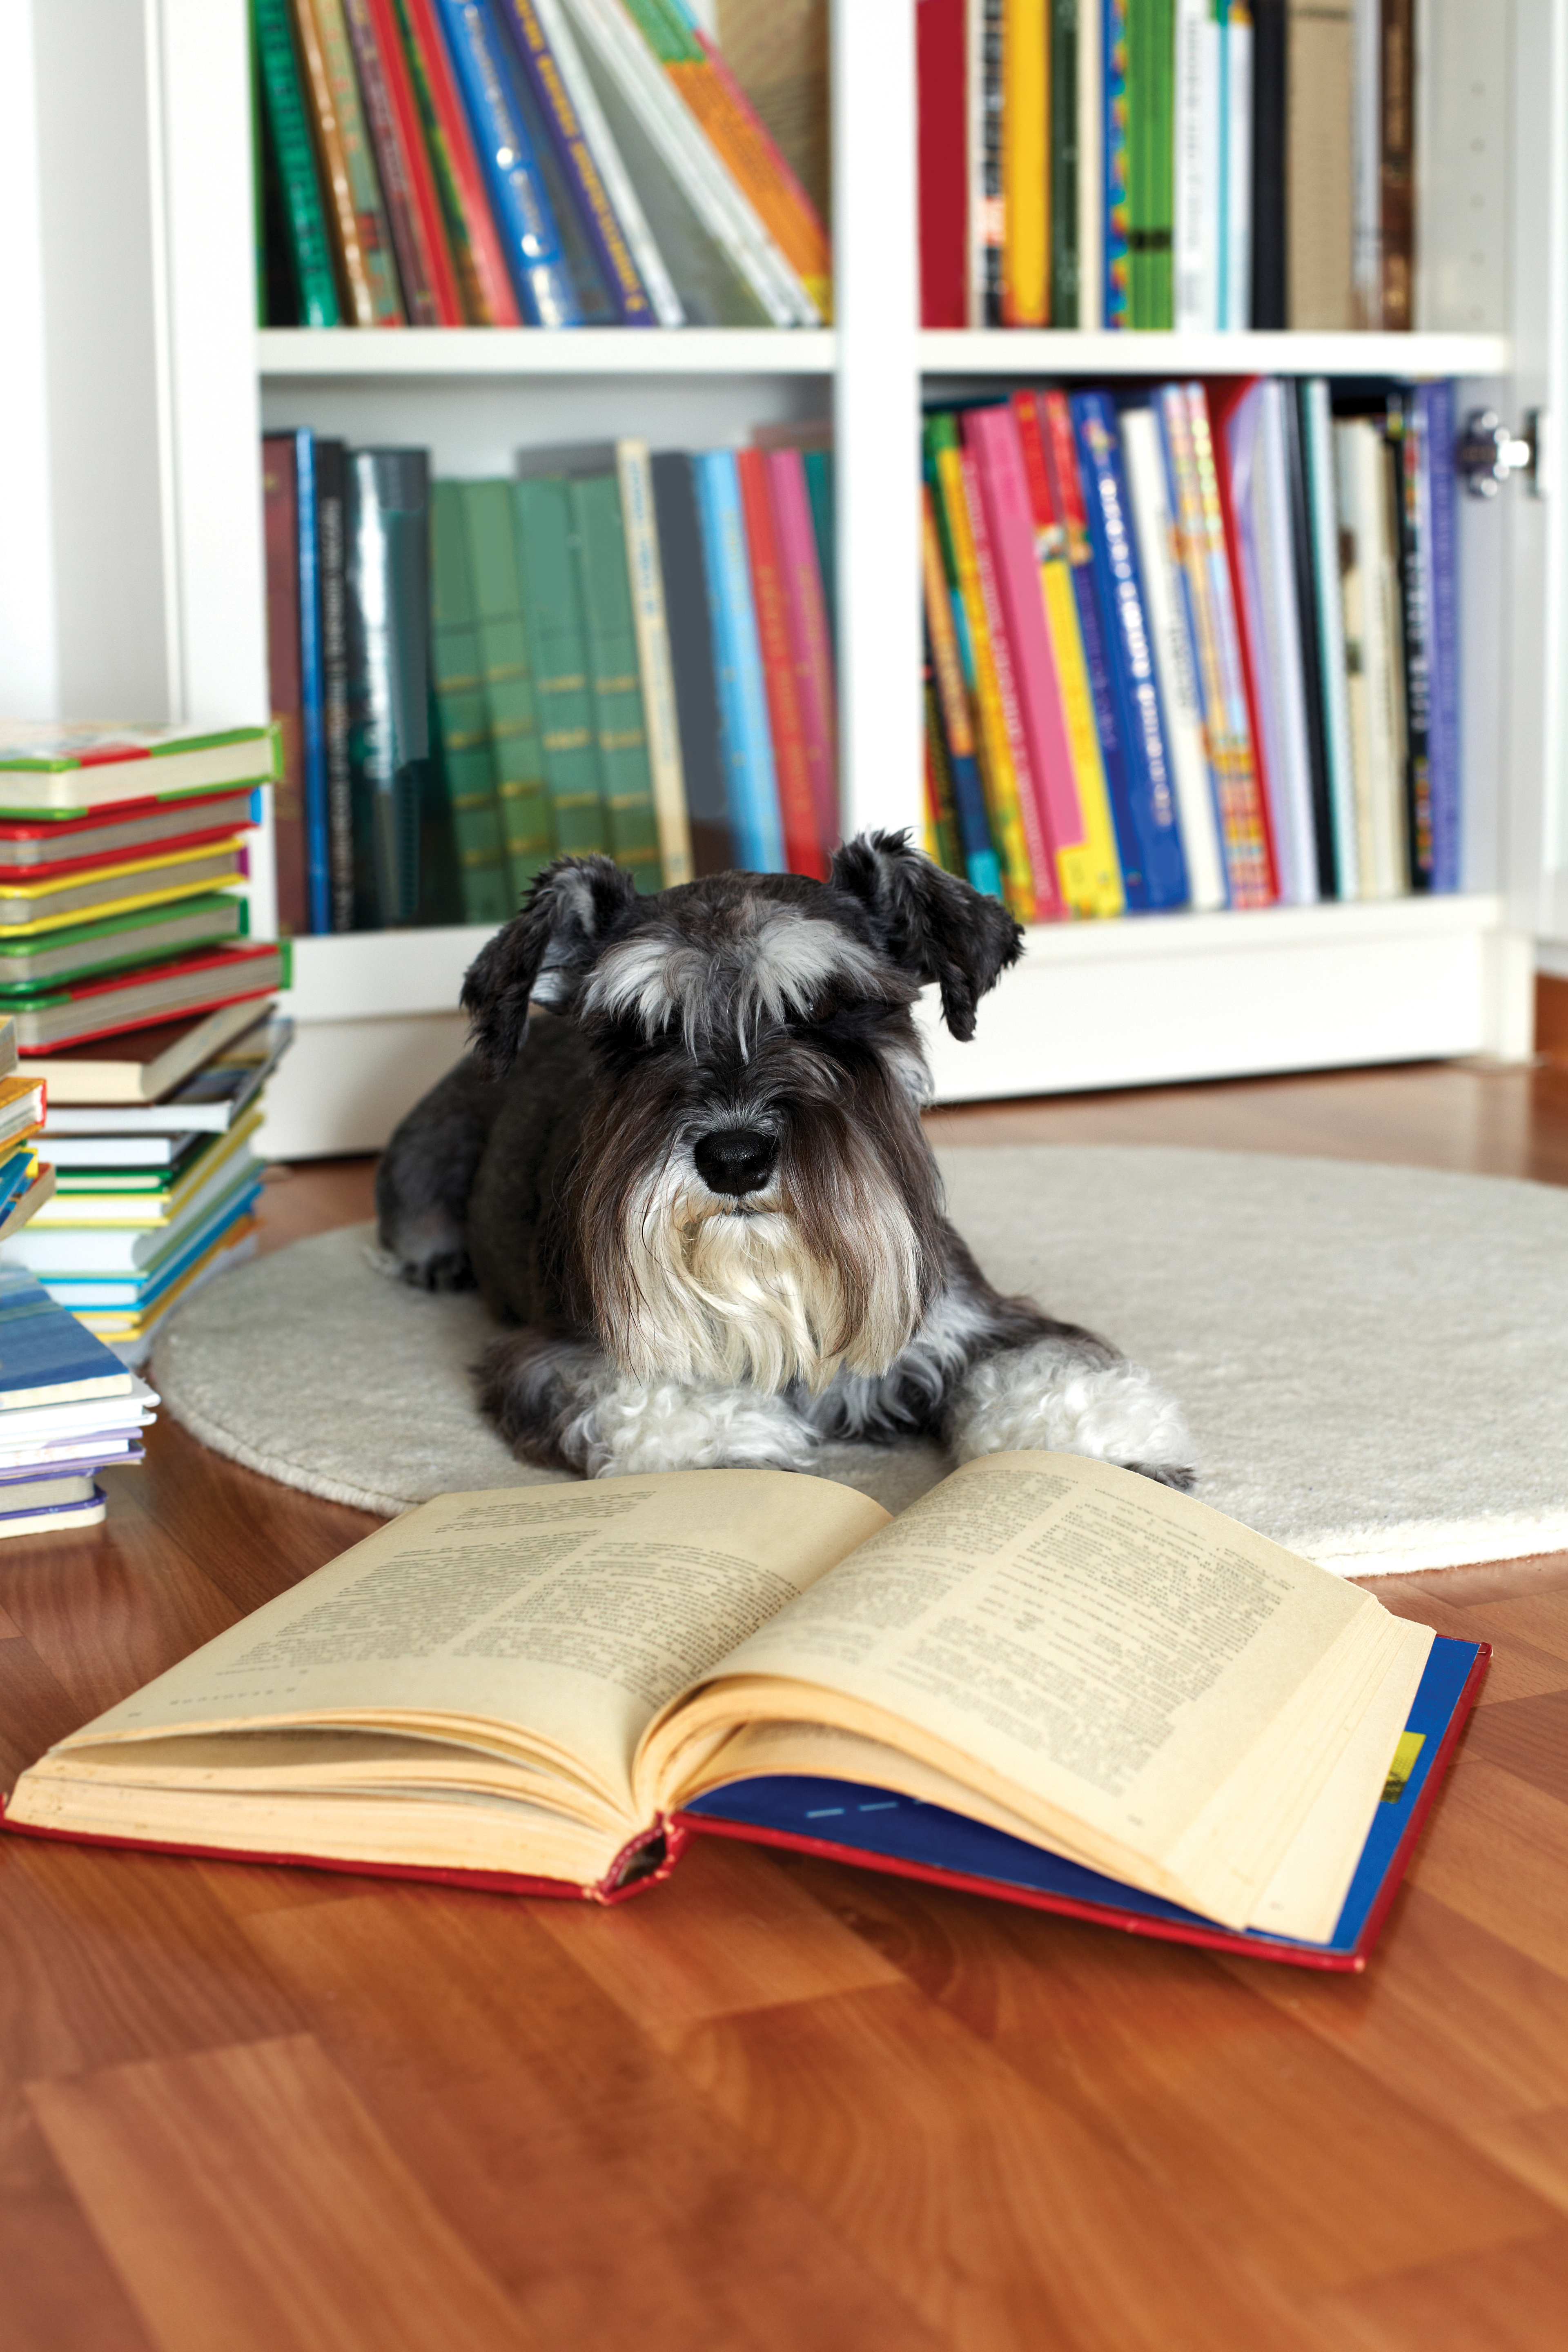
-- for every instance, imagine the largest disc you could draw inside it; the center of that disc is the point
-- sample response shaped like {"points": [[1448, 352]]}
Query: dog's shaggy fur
{"points": [[697, 1185]]}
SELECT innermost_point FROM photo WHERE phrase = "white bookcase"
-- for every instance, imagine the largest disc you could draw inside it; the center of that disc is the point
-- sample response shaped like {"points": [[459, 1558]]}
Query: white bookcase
{"points": [[135, 586]]}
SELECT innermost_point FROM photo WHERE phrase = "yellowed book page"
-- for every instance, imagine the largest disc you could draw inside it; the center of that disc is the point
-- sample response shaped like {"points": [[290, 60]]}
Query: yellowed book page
{"points": [[1066, 1634], [556, 1620]]}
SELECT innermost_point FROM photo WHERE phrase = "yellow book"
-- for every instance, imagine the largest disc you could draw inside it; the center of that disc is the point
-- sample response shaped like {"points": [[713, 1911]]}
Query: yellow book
{"points": [[1090, 871], [1025, 164], [56, 901], [998, 774]]}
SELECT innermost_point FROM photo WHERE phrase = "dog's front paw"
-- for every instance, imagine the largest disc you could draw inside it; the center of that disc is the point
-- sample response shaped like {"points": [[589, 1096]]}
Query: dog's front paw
{"points": [[642, 1425], [1055, 1396]]}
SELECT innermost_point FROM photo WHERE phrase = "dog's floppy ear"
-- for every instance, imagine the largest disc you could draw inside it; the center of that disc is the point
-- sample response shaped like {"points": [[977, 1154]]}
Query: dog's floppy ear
{"points": [[929, 922], [543, 954]]}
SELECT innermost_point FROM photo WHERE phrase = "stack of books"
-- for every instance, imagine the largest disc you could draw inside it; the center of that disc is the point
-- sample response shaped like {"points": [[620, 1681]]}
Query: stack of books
{"points": [[1189, 164], [149, 1132], [623, 652], [1194, 646], [521, 162], [69, 1408]]}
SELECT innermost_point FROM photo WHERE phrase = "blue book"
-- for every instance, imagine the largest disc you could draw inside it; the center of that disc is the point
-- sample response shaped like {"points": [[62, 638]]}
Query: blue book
{"points": [[312, 683], [1153, 868], [46, 1356], [519, 197], [755, 822], [135, 1292], [16, 1175], [1438, 492], [850, 1822]]}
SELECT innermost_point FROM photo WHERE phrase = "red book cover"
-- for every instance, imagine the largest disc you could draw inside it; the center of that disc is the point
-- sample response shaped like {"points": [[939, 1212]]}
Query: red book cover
{"points": [[1004, 655], [805, 610], [943, 162], [489, 286], [280, 528], [223, 976], [797, 810], [1224, 399], [418, 232]]}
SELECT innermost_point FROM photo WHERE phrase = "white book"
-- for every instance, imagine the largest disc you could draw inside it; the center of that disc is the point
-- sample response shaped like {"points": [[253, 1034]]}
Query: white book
{"points": [[1175, 664], [599, 139], [726, 213], [1198, 129], [1362, 469], [38, 1424], [1091, 164], [1283, 714], [1317, 446], [1236, 209], [89, 1250]]}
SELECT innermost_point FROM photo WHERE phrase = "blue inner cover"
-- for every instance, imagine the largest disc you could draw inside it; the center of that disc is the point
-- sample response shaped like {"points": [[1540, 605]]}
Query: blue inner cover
{"points": [[860, 1819]]}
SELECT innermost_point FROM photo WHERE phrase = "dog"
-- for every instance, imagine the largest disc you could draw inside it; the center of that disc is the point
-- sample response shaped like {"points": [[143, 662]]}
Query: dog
{"points": [[684, 1161]]}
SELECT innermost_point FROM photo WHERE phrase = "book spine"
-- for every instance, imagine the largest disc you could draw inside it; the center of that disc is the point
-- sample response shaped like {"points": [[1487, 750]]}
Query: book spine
{"points": [[980, 860], [310, 677], [1241, 783], [388, 573], [1353, 599], [819, 464], [993, 190], [1269, 629], [1318, 453], [333, 848], [1164, 590], [1319, 83], [645, 580], [1025, 168], [462, 718], [797, 811], [1196, 146], [476, 252], [1057, 830], [810, 647], [1269, 114], [418, 232], [1152, 850], [1062, 74], [975, 205], [1236, 210], [754, 799], [943, 846], [512, 714], [558, 653], [343, 222], [999, 773], [290, 125], [1090, 873], [620, 733], [577, 160], [669, 311], [1440, 501], [530, 237], [686, 601], [1090, 210], [1299, 559], [745, 144], [281, 526], [725, 213], [1149, 174], [943, 169], [1117, 251], [1414, 566], [1396, 161], [339, 108]]}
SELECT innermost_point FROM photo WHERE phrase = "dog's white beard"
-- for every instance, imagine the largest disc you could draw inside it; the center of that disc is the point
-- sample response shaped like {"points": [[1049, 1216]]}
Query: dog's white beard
{"points": [[708, 1293]]}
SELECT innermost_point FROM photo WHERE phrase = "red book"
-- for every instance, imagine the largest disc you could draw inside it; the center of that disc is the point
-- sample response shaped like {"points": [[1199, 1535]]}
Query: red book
{"points": [[1223, 402], [487, 287], [803, 850], [38, 852], [430, 292], [943, 162], [805, 610], [1005, 660], [280, 531]]}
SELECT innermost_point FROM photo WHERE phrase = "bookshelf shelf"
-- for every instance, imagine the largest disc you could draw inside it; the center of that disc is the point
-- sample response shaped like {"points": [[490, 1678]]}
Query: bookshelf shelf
{"points": [[438, 353], [1025, 353]]}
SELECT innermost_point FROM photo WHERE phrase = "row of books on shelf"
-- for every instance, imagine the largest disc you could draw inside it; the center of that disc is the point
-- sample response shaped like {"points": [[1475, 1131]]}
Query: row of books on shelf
{"points": [[520, 162], [141, 1011], [1149, 163], [614, 651], [1194, 646]]}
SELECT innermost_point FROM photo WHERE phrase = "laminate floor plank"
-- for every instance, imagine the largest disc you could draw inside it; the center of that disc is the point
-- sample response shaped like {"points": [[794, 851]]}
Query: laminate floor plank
{"points": [[777, 2105]]}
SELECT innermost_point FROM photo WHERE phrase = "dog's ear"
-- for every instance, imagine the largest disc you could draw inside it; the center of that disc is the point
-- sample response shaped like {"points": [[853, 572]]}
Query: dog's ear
{"points": [[929, 922], [543, 954]]}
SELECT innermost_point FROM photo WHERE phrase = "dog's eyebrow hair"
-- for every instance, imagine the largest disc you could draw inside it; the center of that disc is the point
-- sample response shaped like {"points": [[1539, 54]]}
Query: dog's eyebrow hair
{"points": [[771, 969]]}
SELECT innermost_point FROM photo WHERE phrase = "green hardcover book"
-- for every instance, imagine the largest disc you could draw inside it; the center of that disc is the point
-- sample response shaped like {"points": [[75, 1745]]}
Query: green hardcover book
{"points": [[517, 759], [295, 159], [626, 779], [819, 464], [80, 950], [1063, 38], [558, 652], [462, 719], [1151, 158]]}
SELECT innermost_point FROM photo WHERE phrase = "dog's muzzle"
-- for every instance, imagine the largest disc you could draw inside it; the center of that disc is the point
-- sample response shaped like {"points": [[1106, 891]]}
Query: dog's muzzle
{"points": [[735, 1159]]}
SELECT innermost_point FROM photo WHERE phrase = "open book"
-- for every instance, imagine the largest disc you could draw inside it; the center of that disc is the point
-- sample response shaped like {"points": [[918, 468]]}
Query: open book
{"points": [[1106, 1691]]}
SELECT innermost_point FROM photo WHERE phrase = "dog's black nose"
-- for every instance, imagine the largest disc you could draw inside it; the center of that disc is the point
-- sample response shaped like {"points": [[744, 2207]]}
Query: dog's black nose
{"points": [[735, 1158]]}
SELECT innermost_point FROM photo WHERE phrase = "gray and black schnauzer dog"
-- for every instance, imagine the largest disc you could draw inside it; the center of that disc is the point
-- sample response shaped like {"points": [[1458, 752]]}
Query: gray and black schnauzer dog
{"points": [[699, 1186]]}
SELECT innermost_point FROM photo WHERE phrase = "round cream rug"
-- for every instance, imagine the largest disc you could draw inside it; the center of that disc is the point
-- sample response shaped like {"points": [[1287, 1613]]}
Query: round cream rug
{"points": [[1373, 1360]]}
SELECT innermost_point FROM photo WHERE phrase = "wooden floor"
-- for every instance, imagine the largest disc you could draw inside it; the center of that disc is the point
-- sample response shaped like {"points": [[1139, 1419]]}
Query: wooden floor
{"points": [[777, 2104]]}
